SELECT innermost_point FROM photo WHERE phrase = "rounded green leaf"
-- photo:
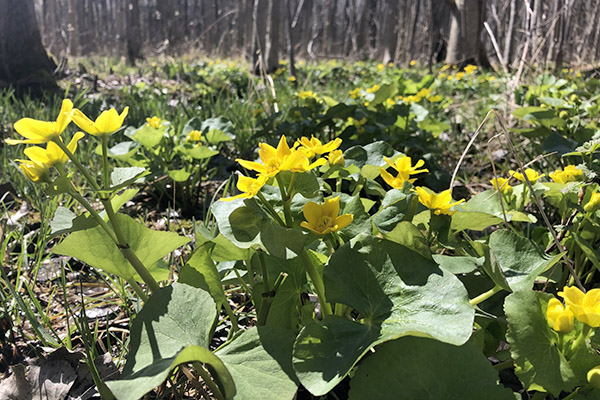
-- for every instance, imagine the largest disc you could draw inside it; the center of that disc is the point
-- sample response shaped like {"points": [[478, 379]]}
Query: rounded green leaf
{"points": [[418, 368]]}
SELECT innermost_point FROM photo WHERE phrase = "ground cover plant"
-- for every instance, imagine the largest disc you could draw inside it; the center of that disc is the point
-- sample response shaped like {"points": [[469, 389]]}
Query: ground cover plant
{"points": [[213, 234]]}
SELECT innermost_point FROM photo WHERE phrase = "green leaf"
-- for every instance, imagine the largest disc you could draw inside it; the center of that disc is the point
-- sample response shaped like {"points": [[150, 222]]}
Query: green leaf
{"points": [[197, 152], [94, 246], [385, 92], [458, 264], [121, 151], [217, 130], [148, 136], [259, 360], [418, 368], [369, 158], [174, 327], [396, 291], [408, 235], [538, 363], [200, 271], [65, 221], [304, 183], [519, 258], [245, 225], [60, 185], [396, 206], [121, 177], [179, 175]]}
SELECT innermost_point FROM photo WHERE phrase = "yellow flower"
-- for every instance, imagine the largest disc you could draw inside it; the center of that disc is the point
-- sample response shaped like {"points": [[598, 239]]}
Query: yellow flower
{"points": [[469, 69], [442, 75], [380, 67], [413, 63], [248, 186], [559, 318], [336, 157], [423, 92], [280, 159], [154, 122], [570, 174], [594, 204], [355, 93], [532, 175], [459, 75], [435, 99], [445, 67], [373, 89], [194, 136], [404, 165], [52, 155], [593, 377], [305, 94], [502, 185], [314, 146], [291, 78], [107, 123], [323, 218], [34, 171], [585, 307], [36, 131], [439, 203]]}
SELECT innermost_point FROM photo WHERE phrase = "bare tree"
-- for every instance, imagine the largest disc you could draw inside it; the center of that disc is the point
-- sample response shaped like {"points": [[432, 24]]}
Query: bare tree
{"points": [[24, 62]]}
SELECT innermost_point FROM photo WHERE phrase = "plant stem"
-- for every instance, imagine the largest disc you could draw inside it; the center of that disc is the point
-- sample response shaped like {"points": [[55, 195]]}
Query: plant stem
{"points": [[104, 140], [270, 209], [286, 203], [138, 290], [317, 282], [585, 331], [80, 167], [484, 296], [208, 381], [232, 317], [263, 268], [129, 254], [504, 365]]}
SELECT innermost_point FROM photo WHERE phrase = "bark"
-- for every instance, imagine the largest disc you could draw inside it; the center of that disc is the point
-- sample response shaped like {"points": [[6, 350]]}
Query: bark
{"points": [[133, 39], [466, 23], [24, 62]]}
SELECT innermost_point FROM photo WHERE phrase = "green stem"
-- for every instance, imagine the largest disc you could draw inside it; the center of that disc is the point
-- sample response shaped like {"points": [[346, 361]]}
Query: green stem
{"points": [[208, 381], [484, 296], [338, 185], [287, 212], [105, 177], [138, 290], [129, 254], [504, 365], [77, 164], [317, 281], [585, 331], [232, 317], [270, 209], [263, 268]]}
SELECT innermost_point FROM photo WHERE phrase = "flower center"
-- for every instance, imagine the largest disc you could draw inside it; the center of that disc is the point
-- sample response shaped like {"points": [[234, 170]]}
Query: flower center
{"points": [[324, 222]]}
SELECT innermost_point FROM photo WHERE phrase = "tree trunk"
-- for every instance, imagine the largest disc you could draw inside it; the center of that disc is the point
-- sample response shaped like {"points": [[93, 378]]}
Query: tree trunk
{"points": [[466, 22], [26, 70], [134, 45]]}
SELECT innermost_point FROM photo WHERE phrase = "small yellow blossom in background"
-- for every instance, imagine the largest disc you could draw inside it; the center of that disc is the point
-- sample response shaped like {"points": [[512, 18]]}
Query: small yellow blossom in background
{"points": [[559, 317], [423, 92], [532, 175], [459, 75], [248, 186], [594, 204], [450, 78], [52, 155], [490, 78], [107, 123], [380, 67], [194, 136], [291, 78], [442, 75], [413, 63], [355, 93], [279, 71], [336, 157], [578, 74], [435, 99], [469, 69], [593, 377], [373, 88], [314, 146], [570, 174], [445, 67], [279, 159], [35, 131], [305, 94], [438, 203], [154, 122], [323, 218], [502, 185], [35, 171], [390, 102], [585, 306]]}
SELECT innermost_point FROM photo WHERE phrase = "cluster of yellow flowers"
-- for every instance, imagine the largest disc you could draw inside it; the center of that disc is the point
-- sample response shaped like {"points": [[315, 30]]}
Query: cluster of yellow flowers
{"points": [[439, 203], [154, 122], [583, 306], [40, 160], [283, 158]]}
